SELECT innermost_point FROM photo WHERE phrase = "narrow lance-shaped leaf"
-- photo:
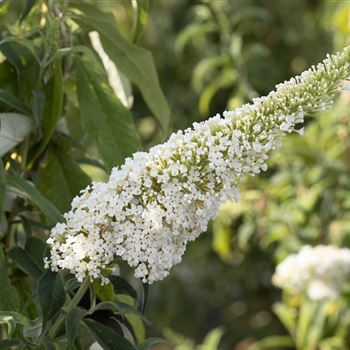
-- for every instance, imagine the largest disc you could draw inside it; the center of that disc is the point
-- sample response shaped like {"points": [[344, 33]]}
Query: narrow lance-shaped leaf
{"points": [[73, 320], [51, 294], [48, 209], [135, 62], [9, 299], [140, 20], [52, 107], [38, 106], [14, 102], [2, 188], [26, 262], [107, 122], [61, 179]]}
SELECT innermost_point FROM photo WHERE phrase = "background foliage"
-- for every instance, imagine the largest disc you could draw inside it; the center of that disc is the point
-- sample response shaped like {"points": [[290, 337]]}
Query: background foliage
{"points": [[69, 114]]}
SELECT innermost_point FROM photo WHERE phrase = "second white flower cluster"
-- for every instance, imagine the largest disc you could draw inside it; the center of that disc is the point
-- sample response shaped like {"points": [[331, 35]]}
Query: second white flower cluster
{"points": [[321, 272]]}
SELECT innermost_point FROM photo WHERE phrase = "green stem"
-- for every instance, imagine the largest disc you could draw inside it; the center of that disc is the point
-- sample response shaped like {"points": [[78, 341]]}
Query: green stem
{"points": [[72, 303]]}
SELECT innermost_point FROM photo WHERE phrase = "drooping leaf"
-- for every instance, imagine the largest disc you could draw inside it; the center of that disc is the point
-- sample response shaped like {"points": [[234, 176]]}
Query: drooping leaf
{"points": [[37, 249], [65, 51], [28, 7], [135, 62], [147, 344], [145, 296], [106, 337], [23, 259], [15, 316], [11, 319], [14, 102], [107, 122], [52, 107], [2, 188], [73, 320], [122, 286], [62, 178], [273, 342], [48, 209], [126, 331], [14, 128], [9, 299], [115, 306], [140, 20], [8, 344], [33, 329], [51, 295], [25, 43], [38, 106]]}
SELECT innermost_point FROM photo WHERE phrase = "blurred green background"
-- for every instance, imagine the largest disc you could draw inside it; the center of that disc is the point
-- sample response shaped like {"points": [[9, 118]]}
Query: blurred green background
{"points": [[215, 55]]}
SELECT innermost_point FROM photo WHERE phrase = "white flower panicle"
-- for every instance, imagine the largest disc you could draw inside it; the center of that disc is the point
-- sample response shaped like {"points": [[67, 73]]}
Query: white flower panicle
{"points": [[158, 201], [319, 271]]}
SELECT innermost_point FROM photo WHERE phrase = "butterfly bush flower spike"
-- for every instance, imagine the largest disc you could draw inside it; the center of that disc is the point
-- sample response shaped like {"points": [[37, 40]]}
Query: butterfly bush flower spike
{"points": [[159, 200], [319, 271]]}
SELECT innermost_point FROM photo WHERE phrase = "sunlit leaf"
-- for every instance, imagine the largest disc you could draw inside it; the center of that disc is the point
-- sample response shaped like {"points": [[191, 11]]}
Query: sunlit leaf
{"points": [[140, 20], [135, 62], [107, 122], [14, 128]]}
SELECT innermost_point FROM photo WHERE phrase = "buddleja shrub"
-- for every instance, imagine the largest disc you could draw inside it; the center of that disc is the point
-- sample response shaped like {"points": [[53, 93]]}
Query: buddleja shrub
{"points": [[59, 113], [64, 289]]}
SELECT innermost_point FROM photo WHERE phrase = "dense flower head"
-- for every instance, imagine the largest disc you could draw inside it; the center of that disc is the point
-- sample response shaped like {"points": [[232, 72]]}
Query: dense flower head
{"points": [[159, 200], [320, 272]]}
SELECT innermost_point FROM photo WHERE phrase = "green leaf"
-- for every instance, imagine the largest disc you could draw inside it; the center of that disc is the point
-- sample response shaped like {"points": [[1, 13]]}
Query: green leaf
{"points": [[14, 128], [122, 286], [9, 299], [38, 106], [48, 209], [23, 259], [33, 329], [115, 306], [28, 44], [126, 331], [51, 295], [14, 316], [8, 344], [106, 337], [147, 344], [135, 62], [73, 319], [52, 107], [11, 319], [222, 81], [62, 178], [60, 53], [287, 316], [37, 249], [104, 118], [145, 296], [2, 188], [140, 20], [272, 342], [29, 5], [191, 32], [12, 101]]}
